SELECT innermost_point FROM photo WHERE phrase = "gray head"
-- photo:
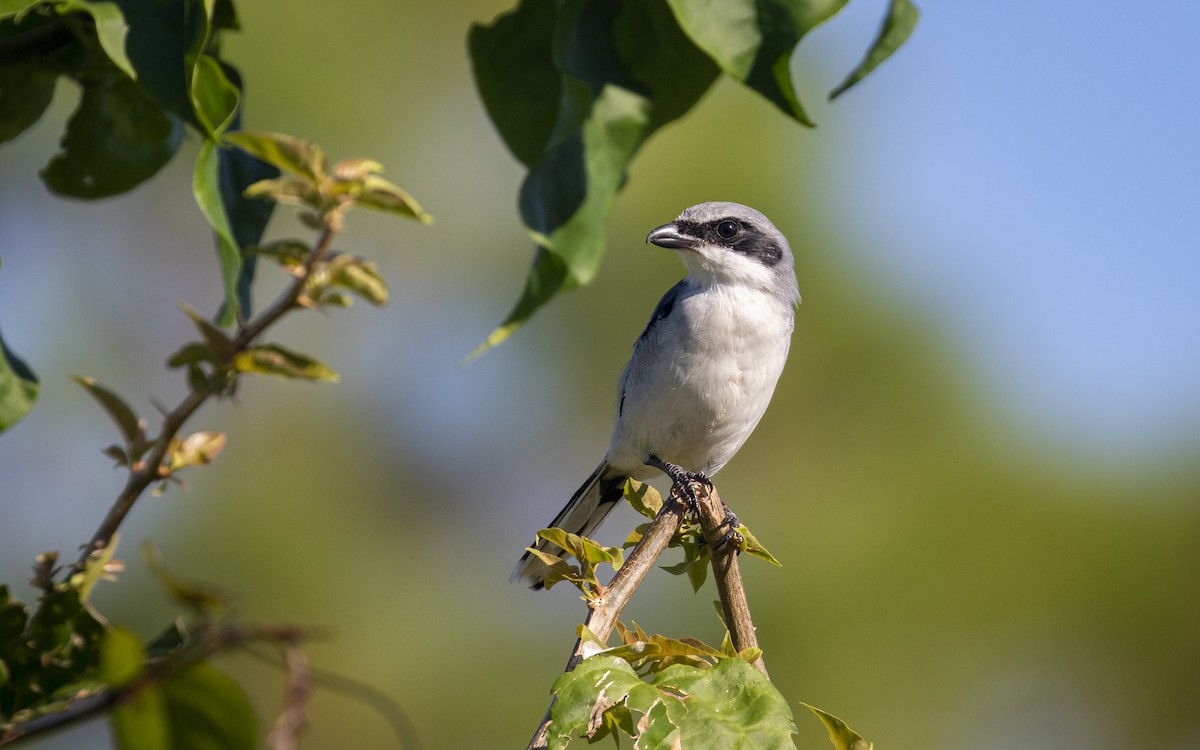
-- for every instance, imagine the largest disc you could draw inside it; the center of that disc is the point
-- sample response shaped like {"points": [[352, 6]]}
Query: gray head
{"points": [[728, 243]]}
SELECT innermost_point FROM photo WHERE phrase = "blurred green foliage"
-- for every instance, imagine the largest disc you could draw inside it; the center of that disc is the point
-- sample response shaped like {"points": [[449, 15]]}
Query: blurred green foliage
{"points": [[938, 562]]}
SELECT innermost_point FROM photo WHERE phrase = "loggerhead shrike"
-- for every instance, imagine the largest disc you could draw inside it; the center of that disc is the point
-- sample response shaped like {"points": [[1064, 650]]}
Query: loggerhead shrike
{"points": [[701, 374]]}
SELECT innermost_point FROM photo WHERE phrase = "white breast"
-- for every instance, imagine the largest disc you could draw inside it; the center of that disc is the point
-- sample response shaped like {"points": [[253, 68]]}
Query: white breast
{"points": [[699, 382]]}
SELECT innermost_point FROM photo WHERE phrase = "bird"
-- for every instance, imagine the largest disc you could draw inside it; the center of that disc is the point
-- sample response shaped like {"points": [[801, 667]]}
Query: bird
{"points": [[703, 370]]}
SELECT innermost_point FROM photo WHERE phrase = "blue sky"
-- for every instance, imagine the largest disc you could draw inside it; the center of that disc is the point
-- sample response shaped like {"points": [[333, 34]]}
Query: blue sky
{"points": [[1030, 175]]}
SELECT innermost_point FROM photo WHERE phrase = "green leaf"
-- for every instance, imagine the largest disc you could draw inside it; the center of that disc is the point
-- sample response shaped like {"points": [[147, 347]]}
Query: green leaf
{"points": [[842, 736], [296, 191], [731, 705], [206, 187], [273, 359], [247, 218], [95, 568], [116, 139], [286, 152], [122, 414], [217, 341], [753, 41], [575, 88], [214, 98], [25, 91], [18, 387], [138, 719], [11, 8], [208, 710], [897, 27], [111, 29], [381, 195], [513, 64], [360, 277], [643, 497], [752, 546]]}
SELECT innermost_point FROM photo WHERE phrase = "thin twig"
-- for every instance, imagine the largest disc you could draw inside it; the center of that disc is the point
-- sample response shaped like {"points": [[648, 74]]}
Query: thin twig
{"points": [[294, 717], [607, 608], [727, 575], [151, 466]]}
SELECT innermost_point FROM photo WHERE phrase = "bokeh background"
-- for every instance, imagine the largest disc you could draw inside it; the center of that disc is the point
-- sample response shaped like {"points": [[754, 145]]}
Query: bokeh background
{"points": [[980, 468]]}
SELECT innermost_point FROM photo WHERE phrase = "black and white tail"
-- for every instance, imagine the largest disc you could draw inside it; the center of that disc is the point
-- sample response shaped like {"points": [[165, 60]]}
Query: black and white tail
{"points": [[583, 514]]}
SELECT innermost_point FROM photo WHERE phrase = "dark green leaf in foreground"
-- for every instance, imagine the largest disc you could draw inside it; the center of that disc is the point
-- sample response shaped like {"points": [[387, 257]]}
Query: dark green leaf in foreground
{"points": [[273, 359], [138, 719], [9, 8], [117, 138], [206, 187], [897, 27], [18, 387], [25, 92], [753, 40], [842, 736], [111, 29], [207, 710], [596, 86]]}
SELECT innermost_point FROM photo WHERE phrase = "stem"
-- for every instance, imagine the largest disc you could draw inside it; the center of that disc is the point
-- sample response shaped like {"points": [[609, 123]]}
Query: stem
{"points": [[605, 610], [173, 422], [727, 575]]}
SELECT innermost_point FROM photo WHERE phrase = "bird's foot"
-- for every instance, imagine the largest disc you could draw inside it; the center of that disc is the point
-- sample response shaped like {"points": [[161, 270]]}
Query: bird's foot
{"points": [[683, 482], [731, 535]]}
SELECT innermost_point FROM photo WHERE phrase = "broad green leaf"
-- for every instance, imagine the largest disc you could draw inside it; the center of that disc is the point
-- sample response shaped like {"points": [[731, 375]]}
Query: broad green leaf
{"points": [[731, 706], [116, 139], [18, 387], [139, 720], [214, 98], [753, 40], [206, 187], [575, 88], [897, 27], [122, 414], [286, 152], [513, 63], [25, 92], [111, 29], [643, 497], [842, 736], [596, 684], [208, 710], [273, 359]]}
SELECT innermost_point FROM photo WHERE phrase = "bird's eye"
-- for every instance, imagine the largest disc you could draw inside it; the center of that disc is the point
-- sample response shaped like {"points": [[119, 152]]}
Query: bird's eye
{"points": [[727, 230]]}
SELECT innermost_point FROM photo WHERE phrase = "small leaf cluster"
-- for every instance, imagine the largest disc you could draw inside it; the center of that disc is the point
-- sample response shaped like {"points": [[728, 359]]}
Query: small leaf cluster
{"points": [[575, 88], [48, 656], [587, 554], [309, 182]]}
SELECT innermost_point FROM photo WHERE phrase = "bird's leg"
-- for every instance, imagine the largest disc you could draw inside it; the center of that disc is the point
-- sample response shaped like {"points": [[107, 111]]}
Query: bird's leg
{"points": [[681, 480]]}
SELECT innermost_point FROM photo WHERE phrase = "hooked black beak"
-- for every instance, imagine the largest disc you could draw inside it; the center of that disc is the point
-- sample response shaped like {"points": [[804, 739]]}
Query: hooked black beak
{"points": [[668, 235]]}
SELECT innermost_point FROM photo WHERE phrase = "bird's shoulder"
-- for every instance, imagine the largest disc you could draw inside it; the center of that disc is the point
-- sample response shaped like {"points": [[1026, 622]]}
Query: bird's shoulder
{"points": [[664, 308]]}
